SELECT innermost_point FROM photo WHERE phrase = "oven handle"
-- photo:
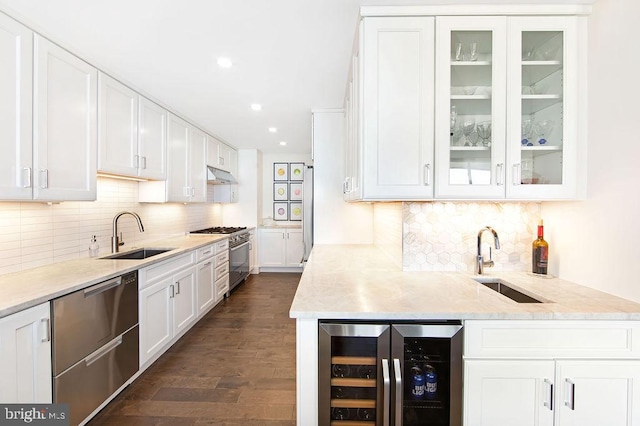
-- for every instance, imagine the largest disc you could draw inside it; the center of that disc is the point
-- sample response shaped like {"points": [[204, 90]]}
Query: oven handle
{"points": [[240, 246]]}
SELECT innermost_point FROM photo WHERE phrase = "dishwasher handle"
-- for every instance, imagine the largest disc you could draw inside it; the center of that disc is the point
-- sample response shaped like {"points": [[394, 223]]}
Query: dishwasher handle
{"points": [[102, 287], [103, 351]]}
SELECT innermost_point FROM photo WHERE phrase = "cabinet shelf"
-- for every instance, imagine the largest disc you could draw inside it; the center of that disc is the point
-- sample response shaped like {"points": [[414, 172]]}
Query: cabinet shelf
{"points": [[470, 148], [353, 360], [353, 382], [470, 63], [541, 148], [354, 403], [534, 103], [469, 97]]}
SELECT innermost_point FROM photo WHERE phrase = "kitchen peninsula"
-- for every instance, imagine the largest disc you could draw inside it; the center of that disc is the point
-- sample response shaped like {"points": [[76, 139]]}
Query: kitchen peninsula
{"points": [[573, 331]]}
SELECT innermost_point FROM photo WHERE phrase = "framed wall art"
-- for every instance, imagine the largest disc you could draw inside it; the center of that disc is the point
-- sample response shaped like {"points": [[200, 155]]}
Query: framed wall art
{"points": [[280, 211], [296, 172], [295, 191], [280, 192], [295, 211], [281, 171]]}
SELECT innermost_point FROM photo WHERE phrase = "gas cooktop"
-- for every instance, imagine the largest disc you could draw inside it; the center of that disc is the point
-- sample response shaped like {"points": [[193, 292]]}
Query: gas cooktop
{"points": [[220, 230]]}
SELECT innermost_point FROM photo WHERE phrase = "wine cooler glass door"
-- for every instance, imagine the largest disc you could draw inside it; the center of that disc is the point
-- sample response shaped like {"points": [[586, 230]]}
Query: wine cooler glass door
{"points": [[353, 374], [428, 374]]}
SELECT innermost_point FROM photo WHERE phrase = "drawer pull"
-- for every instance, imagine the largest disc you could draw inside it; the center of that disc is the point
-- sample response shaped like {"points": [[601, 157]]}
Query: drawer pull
{"points": [[549, 402], [571, 402], [47, 330], [103, 351]]}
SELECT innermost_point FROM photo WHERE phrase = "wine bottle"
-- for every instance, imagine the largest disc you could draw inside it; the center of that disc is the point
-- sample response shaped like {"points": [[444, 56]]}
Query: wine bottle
{"points": [[540, 254]]}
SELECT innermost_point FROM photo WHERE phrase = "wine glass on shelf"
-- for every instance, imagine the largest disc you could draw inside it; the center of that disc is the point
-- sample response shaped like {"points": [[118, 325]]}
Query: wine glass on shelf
{"points": [[484, 132], [467, 128], [527, 128], [544, 128]]}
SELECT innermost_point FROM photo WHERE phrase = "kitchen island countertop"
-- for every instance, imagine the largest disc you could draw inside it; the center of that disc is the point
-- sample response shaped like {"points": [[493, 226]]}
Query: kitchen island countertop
{"points": [[22, 290], [360, 282]]}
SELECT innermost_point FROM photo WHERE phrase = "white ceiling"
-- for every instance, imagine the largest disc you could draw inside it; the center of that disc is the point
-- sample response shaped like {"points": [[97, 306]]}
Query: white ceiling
{"points": [[291, 56]]}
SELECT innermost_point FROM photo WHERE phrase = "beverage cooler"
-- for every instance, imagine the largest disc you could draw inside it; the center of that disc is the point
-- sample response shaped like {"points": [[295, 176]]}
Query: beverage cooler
{"points": [[390, 374]]}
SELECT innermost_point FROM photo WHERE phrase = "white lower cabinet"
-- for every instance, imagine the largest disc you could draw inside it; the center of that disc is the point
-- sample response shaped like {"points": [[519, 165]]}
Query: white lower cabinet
{"points": [[213, 275], [569, 378], [167, 304], [281, 247], [25, 356]]}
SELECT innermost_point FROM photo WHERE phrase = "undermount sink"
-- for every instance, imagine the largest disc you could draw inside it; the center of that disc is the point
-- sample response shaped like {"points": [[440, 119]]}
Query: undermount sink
{"points": [[138, 254], [509, 292]]}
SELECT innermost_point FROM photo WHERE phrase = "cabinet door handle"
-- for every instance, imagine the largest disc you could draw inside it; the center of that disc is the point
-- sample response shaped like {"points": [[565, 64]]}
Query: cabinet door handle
{"points": [[549, 402], [399, 399], [173, 292], [44, 178], [516, 174], [206, 264], [221, 161], [144, 162], [177, 287], [499, 174], [193, 191], [571, 401], [26, 177], [136, 161], [386, 391], [427, 174], [47, 330]]}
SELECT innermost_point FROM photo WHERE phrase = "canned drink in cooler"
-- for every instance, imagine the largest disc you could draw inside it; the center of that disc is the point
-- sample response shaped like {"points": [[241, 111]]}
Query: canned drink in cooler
{"points": [[430, 381], [417, 382]]}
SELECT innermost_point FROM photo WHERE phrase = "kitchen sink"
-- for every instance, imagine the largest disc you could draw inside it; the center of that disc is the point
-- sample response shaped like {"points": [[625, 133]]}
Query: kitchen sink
{"points": [[138, 254], [509, 292]]}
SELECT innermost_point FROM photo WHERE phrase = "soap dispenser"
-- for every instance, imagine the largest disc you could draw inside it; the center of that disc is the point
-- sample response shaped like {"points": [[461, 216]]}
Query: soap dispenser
{"points": [[94, 248]]}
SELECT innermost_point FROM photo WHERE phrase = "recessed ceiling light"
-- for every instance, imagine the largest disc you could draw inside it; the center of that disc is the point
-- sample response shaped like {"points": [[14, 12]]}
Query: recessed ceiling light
{"points": [[283, 143], [256, 107], [272, 130], [224, 62]]}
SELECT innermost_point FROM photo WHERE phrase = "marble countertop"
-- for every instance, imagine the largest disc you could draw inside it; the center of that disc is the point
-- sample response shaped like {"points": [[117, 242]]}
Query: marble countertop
{"points": [[22, 290], [361, 282]]}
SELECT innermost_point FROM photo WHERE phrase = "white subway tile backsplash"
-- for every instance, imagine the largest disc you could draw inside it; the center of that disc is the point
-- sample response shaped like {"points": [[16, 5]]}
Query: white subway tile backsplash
{"points": [[37, 234]]}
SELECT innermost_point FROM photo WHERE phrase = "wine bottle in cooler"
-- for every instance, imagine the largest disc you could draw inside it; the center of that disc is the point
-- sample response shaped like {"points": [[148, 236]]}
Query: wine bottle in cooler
{"points": [[540, 254]]}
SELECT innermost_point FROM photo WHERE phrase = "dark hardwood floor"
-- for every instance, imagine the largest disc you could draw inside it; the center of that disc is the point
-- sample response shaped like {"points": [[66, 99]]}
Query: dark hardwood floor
{"points": [[236, 366]]}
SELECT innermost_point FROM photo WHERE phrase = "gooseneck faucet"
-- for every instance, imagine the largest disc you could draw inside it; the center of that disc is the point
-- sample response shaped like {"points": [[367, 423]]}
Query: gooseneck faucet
{"points": [[115, 239], [480, 262]]}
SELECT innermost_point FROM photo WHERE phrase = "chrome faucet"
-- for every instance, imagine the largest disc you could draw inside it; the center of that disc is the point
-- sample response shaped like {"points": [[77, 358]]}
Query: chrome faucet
{"points": [[480, 262], [116, 241]]}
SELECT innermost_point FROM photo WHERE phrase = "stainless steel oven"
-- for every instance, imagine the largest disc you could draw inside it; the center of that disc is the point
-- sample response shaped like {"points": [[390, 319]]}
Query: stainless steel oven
{"points": [[238, 260]]}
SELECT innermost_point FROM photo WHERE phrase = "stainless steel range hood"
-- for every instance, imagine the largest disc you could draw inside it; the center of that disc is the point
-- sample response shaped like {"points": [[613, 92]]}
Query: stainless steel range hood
{"points": [[219, 177]]}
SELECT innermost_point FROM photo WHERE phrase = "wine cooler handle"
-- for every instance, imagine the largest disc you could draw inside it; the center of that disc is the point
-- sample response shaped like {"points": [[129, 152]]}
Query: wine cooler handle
{"points": [[549, 403], [398, 374], [571, 403], [386, 391]]}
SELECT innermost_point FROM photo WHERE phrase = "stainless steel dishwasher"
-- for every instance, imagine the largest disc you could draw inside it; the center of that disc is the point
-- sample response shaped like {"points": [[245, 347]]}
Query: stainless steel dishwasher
{"points": [[95, 343]]}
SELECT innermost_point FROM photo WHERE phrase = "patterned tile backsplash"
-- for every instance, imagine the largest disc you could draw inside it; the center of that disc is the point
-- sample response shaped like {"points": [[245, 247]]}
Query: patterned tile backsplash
{"points": [[35, 234], [442, 236]]}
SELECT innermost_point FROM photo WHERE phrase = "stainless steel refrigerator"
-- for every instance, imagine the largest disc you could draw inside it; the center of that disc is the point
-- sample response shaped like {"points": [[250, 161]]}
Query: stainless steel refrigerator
{"points": [[307, 213]]}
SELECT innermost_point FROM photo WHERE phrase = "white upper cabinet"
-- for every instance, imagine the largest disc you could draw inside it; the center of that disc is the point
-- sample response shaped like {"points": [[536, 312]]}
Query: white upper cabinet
{"points": [[152, 140], [470, 106], [197, 168], [117, 127], [397, 102], [132, 132], [543, 120], [16, 56], [65, 125], [186, 167]]}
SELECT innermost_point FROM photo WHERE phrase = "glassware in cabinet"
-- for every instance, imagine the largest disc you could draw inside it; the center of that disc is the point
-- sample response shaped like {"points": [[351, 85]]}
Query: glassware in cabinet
{"points": [[470, 90], [543, 118]]}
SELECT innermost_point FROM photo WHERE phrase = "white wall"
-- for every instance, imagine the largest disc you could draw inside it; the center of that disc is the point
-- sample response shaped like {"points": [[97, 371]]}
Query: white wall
{"points": [[335, 221], [595, 242]]}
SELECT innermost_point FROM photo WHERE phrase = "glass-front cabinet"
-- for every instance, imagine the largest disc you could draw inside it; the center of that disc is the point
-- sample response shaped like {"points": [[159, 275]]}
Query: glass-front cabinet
{"points": [[471, 106], [506, 107], [542, 108]]}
